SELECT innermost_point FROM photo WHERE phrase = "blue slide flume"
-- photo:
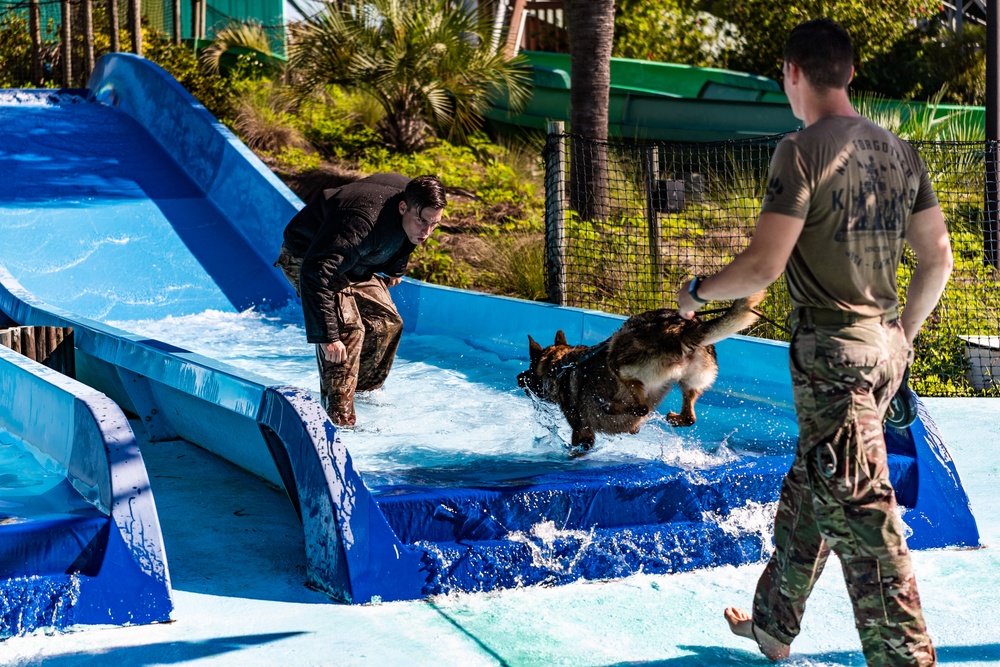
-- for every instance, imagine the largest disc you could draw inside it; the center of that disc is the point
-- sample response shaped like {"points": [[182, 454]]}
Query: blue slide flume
{"points": [[129, 201]]}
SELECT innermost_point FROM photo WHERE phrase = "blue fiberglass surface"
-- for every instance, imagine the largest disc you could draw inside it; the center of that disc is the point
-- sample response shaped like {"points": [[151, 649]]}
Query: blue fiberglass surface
{"points": [[457, 455], [39, 506], [450, 446], [97, 219], [30, 489]]}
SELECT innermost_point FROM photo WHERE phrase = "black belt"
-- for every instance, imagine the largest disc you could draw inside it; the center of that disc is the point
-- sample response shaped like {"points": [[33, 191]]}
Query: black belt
{"points": [[826, 317]]}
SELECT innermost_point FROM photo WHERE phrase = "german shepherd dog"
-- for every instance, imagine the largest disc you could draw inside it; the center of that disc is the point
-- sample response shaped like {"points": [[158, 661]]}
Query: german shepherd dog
{"points": [[614, 386]]}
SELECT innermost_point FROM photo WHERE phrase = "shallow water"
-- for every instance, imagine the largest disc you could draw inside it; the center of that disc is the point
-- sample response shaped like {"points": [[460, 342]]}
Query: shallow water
{"points": [[447, 406], [21, 470], [32, 484]]}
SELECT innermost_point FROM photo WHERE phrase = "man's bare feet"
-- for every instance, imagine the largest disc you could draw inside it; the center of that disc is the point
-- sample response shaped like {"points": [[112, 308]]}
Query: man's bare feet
{"points": [[741, 623]]}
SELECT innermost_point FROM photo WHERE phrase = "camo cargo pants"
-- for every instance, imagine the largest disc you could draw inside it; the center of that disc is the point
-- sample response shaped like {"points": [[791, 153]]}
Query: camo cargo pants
{"points": [[837, 495], [370, 328]]}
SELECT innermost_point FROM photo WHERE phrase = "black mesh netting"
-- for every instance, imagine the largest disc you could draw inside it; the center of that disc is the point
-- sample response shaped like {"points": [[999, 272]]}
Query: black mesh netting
{"points": [[627, 222]]}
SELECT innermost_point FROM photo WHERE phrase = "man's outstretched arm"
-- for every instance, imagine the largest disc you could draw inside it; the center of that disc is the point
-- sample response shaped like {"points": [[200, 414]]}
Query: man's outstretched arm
{"points": [[753, 269]]}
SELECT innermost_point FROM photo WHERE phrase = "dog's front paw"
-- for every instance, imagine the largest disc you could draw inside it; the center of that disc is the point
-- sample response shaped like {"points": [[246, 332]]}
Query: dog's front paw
{"points": [[638, 410], [676, 419]]}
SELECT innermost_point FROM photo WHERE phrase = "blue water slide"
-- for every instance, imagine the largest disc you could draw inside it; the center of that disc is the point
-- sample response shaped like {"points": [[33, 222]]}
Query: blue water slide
{"points": [[80, 540], [134, 195]]}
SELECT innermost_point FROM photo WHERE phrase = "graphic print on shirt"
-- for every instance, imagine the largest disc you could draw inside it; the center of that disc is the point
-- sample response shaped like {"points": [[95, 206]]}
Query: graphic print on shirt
{"points": [[774, 188], [878, 201]]}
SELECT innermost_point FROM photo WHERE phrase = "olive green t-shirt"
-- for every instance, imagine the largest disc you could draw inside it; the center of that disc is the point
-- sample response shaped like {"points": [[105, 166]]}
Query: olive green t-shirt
{"points": [[856, 186]]}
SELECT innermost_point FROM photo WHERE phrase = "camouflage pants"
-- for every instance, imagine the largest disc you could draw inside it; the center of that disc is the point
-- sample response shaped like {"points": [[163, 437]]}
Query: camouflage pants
{"points": [[370, 328], [837, 495]]}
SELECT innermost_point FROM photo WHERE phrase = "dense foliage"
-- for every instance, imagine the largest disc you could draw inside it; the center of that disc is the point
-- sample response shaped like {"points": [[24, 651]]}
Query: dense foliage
{"points": [[902, 49], [430, 64]]}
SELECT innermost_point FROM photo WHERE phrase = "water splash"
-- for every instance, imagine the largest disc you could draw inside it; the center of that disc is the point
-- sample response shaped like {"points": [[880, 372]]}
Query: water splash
{"points": [[553, 549], [753, 518]]}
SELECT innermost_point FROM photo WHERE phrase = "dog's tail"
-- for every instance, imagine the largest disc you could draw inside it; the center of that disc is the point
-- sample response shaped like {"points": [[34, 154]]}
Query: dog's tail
{"points": [[738, 317]]}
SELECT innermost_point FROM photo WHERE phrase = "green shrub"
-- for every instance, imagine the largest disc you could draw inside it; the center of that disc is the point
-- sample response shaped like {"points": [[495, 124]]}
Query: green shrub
{"points": [[514, 265], [15, 51], [213, 91], [293, 159], [432, 263], [265, 115]]}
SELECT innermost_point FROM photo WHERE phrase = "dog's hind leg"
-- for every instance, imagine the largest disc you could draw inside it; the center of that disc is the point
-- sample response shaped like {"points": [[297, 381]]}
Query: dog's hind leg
{"points": [[686, 417], [638, 406]]}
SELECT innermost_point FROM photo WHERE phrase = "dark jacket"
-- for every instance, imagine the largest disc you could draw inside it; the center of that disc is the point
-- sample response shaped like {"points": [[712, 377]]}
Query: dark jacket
{"points": [[347, 235]]}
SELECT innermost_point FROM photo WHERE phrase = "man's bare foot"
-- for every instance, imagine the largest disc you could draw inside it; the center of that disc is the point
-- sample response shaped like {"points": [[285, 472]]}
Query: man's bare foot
{"points": [[741, 623]]}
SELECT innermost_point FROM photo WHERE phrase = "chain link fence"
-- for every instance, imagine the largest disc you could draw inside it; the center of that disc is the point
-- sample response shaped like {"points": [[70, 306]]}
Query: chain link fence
{"points": [[34, 36], [627, 222]]}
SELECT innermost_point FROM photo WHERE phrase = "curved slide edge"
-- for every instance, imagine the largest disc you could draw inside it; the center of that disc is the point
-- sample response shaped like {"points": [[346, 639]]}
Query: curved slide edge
{"points": [[237, 183], [279, 433], [118, 574]]}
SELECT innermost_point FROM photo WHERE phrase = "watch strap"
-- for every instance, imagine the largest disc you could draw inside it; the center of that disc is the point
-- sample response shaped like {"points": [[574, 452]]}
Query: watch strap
{"points": [[693, 289]]}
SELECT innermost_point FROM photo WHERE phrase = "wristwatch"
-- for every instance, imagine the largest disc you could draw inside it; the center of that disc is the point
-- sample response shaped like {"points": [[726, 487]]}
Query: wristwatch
{"points": [[693, 289]]}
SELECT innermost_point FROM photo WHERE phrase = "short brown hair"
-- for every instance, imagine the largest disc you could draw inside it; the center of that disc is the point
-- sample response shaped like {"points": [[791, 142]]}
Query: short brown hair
{"points": [[822, 49]]}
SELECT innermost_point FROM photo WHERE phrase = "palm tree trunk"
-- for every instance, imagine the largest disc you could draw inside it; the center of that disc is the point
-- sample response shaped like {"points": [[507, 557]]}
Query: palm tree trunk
{"points": [[135, 25], [88, 38], [590, 24], [35, 27], [113, 26]]}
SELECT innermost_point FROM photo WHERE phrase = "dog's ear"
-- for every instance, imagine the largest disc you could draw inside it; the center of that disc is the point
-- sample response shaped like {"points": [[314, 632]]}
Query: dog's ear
{"points": [[561, 338], [534, 349]]}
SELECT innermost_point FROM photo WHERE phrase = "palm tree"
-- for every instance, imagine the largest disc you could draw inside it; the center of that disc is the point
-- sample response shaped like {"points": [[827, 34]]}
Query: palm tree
{"points": [[429, 63], [237, 36], [590, 27]]}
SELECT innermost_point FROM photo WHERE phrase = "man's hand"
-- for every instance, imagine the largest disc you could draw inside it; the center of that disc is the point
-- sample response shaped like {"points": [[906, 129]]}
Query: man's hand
{"points": [[686, 305], [335, 352], [391, 281]]}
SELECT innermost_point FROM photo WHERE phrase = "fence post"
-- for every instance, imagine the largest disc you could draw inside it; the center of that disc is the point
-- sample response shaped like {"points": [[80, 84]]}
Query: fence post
{"points": [[197, 19], [67, 45], [991, 229], [178, 29], [35, 27], [135, 25], [653, 214], [114, 27], [555, 213]]}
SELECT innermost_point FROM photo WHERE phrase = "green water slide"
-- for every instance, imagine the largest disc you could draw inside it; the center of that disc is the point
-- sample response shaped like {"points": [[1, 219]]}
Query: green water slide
{"points": [[671, 102]]}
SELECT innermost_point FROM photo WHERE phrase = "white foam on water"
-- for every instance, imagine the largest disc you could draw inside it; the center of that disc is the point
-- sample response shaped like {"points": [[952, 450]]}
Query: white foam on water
{"points": [[445, 403]]}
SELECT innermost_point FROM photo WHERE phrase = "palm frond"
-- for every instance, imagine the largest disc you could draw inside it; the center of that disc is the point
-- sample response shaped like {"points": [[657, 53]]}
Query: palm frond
{"points": [[426, 59], [246, 35]]}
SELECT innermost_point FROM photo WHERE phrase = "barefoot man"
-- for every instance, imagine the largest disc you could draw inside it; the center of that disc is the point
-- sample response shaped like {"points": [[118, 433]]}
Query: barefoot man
{"points": [[842, 197]]}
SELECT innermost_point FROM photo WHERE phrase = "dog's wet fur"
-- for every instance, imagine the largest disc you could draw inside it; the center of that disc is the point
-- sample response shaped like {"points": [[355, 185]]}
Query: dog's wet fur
{"points": [[615, 386]]}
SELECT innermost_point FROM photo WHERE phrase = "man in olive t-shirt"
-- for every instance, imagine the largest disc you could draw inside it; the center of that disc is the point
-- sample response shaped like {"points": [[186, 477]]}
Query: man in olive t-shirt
{"points": [[842, 196], [855, 185]]}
